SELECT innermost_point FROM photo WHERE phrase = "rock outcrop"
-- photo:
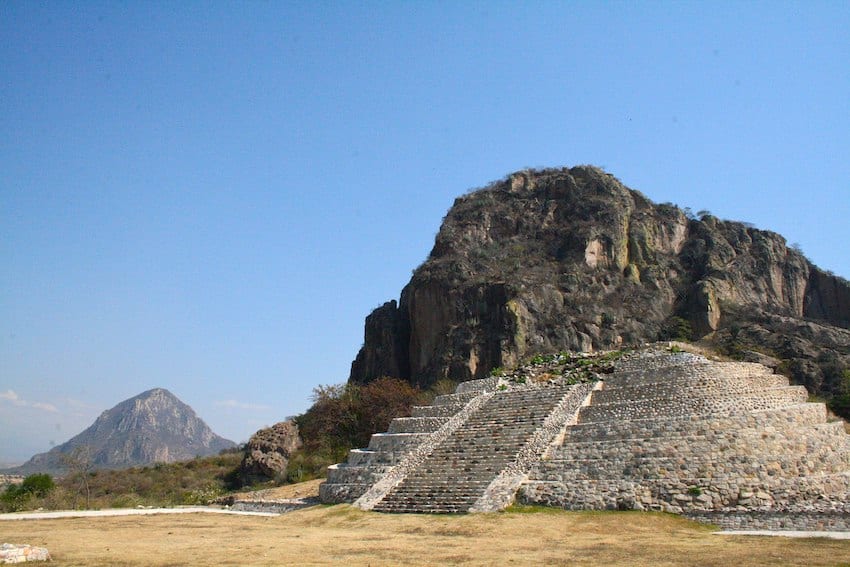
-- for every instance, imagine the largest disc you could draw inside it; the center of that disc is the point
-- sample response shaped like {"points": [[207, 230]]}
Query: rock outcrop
{"points": [[153, 427], [571, 259], [267, 452]]}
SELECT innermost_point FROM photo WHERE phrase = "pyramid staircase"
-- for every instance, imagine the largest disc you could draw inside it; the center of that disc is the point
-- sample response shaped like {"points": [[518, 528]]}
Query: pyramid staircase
{"points": [[469, 451], [726, 442], [456, 475]]}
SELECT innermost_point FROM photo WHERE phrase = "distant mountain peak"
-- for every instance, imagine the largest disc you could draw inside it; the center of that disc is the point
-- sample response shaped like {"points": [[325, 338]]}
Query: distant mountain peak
{"points": [[151, 427]]}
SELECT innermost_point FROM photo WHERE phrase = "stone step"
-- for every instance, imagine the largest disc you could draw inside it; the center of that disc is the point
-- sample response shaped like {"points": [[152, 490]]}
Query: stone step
{"points": [[341, 492], [689, 492], [729, 371], [431, 496], [482, 385], [644, 409], [355, 474], [702, 387], [469, 459], [824, 460], [481, 471], [793, 416], [364, 457], [401, 443], [652, 361], [456, 398], [435, 490], [416, 424], [444, 410], [708, 437]]}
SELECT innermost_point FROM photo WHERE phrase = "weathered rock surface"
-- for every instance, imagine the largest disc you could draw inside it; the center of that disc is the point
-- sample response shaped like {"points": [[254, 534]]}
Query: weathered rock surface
{"points": [[267, 452], [153, 427], [571, 259]]}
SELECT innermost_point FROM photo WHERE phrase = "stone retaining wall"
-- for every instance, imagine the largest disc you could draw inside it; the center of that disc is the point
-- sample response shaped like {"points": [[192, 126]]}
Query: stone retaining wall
{"points": [[737, 439], [416, 424], [699, 405], [273, 506], [790, 417], [821, 521]]}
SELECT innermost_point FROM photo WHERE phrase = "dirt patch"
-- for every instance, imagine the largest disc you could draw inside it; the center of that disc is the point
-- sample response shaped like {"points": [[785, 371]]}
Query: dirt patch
{"points": [[309, 489]]}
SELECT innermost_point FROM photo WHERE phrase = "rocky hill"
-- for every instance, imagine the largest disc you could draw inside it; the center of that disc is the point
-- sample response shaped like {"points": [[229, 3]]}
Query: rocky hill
{"points": [[153, 427], [571, 259]]}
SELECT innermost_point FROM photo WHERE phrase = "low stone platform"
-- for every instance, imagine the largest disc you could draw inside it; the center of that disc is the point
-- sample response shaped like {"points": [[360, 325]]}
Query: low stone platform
{"points": [[281, 506], [15, 553]]}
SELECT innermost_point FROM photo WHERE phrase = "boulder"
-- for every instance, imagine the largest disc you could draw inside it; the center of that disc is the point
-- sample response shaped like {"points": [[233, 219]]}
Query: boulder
{"points": [[267, 452]]}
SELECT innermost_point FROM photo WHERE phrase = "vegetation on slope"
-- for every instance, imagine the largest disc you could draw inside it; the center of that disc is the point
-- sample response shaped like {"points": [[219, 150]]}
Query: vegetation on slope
{"points": [[344, 416], [198, 481]]}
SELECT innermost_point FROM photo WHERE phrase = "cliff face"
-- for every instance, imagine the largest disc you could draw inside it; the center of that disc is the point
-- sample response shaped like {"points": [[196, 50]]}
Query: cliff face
{"points": [[153, 427], [571, 259]]}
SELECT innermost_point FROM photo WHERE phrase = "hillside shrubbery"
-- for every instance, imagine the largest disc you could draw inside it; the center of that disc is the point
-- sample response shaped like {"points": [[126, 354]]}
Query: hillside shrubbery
{"points": [[198, 481], [19, 497], [345, 416]]}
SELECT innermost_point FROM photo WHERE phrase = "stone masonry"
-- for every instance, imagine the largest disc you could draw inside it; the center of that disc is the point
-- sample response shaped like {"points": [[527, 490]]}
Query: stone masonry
{"points": [[14, 553], [730, 443], [725, 442]]}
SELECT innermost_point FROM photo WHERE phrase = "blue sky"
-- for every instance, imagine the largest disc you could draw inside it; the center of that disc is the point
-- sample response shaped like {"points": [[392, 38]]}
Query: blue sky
{"points": [[210, 197]]}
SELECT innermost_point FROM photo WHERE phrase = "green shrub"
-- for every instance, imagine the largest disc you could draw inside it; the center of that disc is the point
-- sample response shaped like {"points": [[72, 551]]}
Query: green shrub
{"points": [[538, 359], [345, 416], [14, 499], [676, 329], [38, 484], [20, 497]]}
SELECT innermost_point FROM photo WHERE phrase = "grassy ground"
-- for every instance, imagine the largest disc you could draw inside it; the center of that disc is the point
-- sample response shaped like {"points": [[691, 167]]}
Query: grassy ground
{"points": [[342, 534]]}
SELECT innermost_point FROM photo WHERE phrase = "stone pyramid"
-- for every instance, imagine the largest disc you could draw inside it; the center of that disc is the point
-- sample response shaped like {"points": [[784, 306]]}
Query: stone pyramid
{"points": [[730, 443]]}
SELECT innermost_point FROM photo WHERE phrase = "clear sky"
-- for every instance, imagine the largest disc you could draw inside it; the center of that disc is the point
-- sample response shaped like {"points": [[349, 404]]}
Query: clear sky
{"points": [[211, 196]]}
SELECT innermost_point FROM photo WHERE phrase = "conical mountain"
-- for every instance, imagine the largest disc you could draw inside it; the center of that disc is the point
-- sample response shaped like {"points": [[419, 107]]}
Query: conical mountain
{"points": [[153, 427]]}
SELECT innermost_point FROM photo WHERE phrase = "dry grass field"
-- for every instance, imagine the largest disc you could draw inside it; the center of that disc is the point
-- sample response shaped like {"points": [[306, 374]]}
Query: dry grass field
{"points": [[344, 535]]}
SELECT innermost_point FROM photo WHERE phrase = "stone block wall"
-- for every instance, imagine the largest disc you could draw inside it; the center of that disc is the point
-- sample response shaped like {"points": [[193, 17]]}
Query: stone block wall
{"points": [[683, 434]]}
